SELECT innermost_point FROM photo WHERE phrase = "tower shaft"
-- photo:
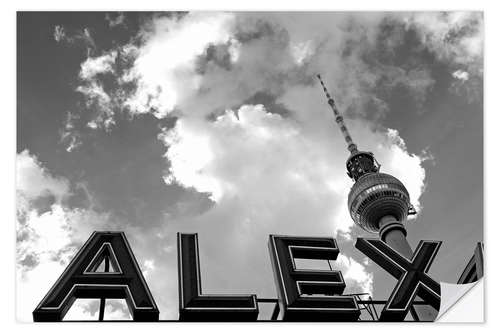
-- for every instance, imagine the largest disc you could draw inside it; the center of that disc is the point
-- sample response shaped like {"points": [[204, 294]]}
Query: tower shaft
{"points": [[393, 233]]}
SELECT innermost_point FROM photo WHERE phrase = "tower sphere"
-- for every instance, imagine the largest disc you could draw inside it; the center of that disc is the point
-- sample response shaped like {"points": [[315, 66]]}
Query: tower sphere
{"points": [[375, 195]]}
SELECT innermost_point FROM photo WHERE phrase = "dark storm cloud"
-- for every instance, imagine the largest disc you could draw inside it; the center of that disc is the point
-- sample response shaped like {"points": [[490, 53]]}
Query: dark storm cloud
{"points": [[215, 55]]}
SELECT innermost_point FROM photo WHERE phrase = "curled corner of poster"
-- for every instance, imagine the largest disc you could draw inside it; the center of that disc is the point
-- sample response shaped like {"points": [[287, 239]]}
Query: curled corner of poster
{"points": [[462, 303]]}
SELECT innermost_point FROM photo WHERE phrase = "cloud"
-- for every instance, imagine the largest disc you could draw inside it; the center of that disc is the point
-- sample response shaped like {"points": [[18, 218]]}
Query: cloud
{"points": [[452, 36], [68, 135], [45, 245], [149, 266], [92, 74], [79, 38], [204, 63], [222, 59], [115, 20], [88, 309], [32, 180], [49, 233], [301, 51], [88, 40], [164, 68], [355, 275], [405, 166], [59, 33], [96, 97], [92, 67], [456, 38], [48, 239], [461, 75], [467, 85]]}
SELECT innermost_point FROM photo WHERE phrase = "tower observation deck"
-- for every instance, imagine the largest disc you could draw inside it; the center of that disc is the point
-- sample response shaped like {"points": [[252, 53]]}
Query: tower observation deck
{"points": [[377, 202]]}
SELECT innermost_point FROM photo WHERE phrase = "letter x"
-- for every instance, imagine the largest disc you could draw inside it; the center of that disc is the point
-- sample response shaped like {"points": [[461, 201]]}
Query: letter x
{"points": [[411, 274]]}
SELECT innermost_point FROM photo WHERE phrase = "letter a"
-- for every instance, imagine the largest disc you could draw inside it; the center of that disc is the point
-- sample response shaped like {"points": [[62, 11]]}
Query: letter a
{"points": [[81, 279]]}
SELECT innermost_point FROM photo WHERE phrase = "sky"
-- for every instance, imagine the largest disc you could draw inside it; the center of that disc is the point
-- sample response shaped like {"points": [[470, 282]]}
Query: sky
{"points": [[214, 123]]}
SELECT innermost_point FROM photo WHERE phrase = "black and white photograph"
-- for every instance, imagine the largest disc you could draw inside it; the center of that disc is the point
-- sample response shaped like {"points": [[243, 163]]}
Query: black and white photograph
{"points": [[242, 166]]}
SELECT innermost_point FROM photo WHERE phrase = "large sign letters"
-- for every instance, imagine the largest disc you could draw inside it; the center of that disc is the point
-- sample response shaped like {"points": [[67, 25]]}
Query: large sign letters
{"points": [[309, 295], [303, 294], [81, 279], [411, 274]]}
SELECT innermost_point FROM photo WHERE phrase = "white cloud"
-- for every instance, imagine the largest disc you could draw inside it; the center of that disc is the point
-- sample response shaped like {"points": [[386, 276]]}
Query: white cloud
{"points": [[88, 40], [301, 51], [33, 180], [355, 274], [97, 65], [403, 165], [164, 68], [32, 286], [104, 104], [82, 38], [59, 33], [268, 52], [461, 75], [96, 93], [80, 310], [68, 135], [452, 36], [88, 309], [116, 309], [46, 241], [149, 266]]}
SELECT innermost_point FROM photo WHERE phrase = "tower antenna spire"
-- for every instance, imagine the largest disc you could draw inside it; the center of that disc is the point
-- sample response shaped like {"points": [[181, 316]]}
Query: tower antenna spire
{"points": [[351, 146]]}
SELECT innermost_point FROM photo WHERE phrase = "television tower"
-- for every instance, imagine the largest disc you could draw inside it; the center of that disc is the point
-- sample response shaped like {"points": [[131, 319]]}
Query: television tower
{"points": [[378, 202]]}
